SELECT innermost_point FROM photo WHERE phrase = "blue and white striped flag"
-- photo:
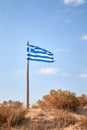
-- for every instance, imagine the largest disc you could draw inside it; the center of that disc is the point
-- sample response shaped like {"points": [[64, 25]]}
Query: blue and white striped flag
{"points": [[36, 53]]}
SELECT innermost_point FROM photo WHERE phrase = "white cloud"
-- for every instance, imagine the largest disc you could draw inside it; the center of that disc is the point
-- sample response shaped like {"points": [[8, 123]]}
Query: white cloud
{"points": [[49, 71], [84, 37], [62, 50], [68, 21], [82, 75], [52, 71], [75, 2], [81, 11], [58, 50], [19, 73], [65, 74], [66, 11], [74, 13]]}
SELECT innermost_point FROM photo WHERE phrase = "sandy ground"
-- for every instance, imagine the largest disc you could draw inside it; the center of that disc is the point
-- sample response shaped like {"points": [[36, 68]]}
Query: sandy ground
{"points": [[32, 113], [81, 115]]}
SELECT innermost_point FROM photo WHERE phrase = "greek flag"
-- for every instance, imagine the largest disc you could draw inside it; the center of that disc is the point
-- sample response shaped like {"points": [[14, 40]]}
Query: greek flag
{"points": [[36, 53]]}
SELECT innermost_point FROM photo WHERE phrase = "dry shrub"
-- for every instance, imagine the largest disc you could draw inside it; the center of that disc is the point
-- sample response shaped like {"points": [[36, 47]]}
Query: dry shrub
{"points": [[13, 104], [3, 114], [10, 116], [64, 119], [83, 123], [59, 99], [82, 100], [16, 117]]}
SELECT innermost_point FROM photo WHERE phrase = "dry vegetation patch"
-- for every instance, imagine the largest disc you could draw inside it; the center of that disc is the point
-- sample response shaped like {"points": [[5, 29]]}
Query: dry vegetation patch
{"points": [[59, 110], [10, 116], [47, 120]]}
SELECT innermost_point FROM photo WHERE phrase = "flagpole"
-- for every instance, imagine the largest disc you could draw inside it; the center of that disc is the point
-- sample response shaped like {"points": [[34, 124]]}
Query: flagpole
{"points": [[27, 81]]}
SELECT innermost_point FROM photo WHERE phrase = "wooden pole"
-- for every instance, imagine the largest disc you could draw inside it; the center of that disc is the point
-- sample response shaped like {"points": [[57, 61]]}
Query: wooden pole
{"points": [[27, 81]]}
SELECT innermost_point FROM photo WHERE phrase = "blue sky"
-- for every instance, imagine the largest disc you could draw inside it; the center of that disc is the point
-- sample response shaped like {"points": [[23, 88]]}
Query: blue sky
{"points": [[59, 26]]}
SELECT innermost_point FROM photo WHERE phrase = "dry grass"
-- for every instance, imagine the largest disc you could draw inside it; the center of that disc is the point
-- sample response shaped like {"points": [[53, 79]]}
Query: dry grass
{"points": [[54, 119], [15, 118], [56, 111], [10, 117], [83, 123]]}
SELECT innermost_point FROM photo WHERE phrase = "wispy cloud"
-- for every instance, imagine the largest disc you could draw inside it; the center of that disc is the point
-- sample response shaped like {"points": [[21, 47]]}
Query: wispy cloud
{"points": [[48, 71], [19, 73], [65, 74], [66, 11], [52, 71], [62, 50], [84, 37], [74, 13], [84, 75], [68, 21], [81, 11], [74, 2]]}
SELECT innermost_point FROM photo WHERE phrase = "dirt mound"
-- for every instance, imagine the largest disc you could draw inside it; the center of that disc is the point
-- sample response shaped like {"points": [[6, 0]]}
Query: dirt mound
{"points": [[50, 119], [54, 119]]}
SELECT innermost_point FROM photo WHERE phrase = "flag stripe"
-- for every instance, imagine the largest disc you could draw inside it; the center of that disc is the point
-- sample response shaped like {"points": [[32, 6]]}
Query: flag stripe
{"points": [[41, 52], [39, 56], [48, 61], [36, 49], [36, 53]]}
